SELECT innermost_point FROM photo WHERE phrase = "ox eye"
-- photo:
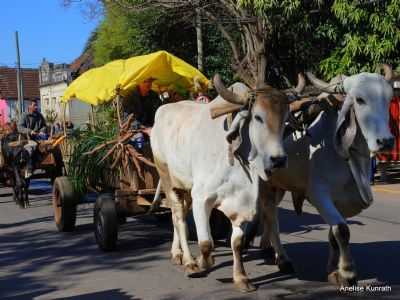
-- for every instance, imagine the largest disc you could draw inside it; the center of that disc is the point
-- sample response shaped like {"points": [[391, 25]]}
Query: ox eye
{"points": [[360, 101], [258, 118]]}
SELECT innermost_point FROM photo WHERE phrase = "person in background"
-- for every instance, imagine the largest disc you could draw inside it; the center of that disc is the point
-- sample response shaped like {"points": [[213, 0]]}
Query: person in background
{"points": [[57, 129], [143, 104], [69, 128]]}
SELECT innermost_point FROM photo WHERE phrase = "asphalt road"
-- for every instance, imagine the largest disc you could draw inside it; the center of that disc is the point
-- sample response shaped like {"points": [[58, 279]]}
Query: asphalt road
{"points": [[37, 262]]}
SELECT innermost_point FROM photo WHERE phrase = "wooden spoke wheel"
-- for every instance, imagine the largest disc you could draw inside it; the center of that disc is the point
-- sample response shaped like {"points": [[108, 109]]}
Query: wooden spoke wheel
{"points": [[65, 201]]}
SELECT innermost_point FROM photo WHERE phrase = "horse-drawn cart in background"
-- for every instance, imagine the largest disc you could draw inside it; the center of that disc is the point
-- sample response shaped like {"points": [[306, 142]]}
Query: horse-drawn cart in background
{"points": [[121, 177]]}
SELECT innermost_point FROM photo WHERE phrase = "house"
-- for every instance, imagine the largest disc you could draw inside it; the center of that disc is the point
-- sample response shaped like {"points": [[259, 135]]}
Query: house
{"points": [[9, 91], [54, 79]]}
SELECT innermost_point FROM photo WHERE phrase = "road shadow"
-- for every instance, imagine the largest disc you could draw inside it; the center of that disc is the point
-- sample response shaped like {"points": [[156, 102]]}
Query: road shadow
{"points": [[25, 287], [26, 251], [289, 222], [27, 222], [116, 294], [378, 260]]}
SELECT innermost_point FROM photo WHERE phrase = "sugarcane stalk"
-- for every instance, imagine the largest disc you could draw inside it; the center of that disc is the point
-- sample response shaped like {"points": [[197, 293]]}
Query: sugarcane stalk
{"points": [[137, 165], [100, 147], [146, 161], [126, 137], [125, 159], [139, 156], [109, 152], [128, 122], [117, 159]]}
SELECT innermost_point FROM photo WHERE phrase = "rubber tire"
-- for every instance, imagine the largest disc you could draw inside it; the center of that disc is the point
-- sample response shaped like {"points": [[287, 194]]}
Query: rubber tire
{"points": [[106, 222], [65, 201]]}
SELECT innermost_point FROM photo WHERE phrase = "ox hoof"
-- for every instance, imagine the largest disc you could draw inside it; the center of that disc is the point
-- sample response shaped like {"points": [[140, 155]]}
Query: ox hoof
{"points": [[286, 266], [192, 270], [177, 259], [207, 263], [269, 254], [245, 286], [336, 279]]}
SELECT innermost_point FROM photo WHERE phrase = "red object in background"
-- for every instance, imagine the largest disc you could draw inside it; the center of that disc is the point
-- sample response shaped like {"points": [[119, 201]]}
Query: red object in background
{"points": [[394, 124]]}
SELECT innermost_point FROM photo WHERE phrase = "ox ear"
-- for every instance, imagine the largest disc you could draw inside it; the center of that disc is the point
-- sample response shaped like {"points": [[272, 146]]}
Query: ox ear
{"points": [[346, 127], [234, 136]]}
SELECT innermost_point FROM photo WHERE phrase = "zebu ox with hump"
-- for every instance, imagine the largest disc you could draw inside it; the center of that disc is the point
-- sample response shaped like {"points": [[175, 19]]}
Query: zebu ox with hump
{"points": [[330, 166], [191, 155]]}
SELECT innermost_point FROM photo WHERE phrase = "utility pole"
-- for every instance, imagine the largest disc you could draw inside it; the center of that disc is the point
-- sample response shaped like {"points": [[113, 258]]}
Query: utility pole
{"points": [[199, 35], [20, 83]]}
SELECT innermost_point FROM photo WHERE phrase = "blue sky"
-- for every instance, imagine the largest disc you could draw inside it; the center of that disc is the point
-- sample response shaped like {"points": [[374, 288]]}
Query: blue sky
{"points": [[46, 29]]}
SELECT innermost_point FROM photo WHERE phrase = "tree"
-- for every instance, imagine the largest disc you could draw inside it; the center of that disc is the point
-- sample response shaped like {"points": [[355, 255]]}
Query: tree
{"points": [[366, 33], [255, 30], [125, 33], [268, 38]]}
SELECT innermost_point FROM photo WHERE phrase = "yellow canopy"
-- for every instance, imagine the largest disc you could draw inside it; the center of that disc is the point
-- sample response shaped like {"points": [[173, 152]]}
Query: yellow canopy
{"points": [[99, 85]]}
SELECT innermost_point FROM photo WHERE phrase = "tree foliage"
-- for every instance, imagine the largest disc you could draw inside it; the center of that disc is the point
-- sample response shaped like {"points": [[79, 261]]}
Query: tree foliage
{"points": [[261, 39], [366, 34], [125, 33]]}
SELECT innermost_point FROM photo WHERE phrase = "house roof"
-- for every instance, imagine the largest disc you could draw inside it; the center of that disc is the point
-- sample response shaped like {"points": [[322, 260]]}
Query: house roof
{"points": [[8, 83], [82, 64]]}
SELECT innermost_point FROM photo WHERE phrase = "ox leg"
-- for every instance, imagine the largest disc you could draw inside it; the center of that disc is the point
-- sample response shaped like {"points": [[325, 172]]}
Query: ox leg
{"points": [[18, 188], [176, 251], [25, 192], [344, 272], [270, 201], [339, 241], [240, 278], [333, 259], [179, 219], [201, 214]]}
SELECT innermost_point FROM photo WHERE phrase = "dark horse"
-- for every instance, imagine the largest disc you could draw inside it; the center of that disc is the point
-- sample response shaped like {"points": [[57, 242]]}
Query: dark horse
{"points": [[17, 164]]}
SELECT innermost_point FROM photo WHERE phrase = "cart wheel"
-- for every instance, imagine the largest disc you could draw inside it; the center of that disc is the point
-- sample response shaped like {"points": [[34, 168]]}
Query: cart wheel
{"points": [[106, 222], [64, 204]]}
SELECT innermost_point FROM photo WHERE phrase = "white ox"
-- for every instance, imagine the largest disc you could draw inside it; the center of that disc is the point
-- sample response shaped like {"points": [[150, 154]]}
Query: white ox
{"points": [[330, 166], [191, 155]]}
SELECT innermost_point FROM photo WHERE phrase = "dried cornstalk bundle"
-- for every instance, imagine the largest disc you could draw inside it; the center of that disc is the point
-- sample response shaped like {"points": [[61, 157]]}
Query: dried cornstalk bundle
{"points": [[122, 152], [104, 154]]}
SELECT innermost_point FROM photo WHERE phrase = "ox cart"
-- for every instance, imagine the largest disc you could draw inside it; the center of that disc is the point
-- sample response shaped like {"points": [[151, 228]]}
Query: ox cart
{"points": [[123, 181], [122, 191], [45, 162]]}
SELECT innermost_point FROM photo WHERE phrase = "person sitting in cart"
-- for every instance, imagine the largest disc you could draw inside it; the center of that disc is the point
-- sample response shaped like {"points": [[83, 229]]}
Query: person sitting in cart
{"points": [[143, 103], [33, 123], [34, 126]]}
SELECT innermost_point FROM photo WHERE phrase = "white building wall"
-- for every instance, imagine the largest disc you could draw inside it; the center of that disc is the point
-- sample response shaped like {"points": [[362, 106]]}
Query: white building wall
{"points": [[50, 98], [78, 112]]}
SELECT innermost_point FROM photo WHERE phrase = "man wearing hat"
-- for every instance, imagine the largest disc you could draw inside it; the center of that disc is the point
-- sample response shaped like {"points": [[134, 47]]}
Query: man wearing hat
{"points": [[143, 104]]}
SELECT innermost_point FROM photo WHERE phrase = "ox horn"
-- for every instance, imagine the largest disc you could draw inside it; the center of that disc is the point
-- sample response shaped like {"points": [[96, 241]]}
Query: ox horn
{"points": [[227, 94], [388, 72], [301, 83], [322, 85]]}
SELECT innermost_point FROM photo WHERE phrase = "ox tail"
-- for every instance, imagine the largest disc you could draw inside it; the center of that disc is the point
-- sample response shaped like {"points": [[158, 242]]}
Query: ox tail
{"points": [[157, 199]]}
